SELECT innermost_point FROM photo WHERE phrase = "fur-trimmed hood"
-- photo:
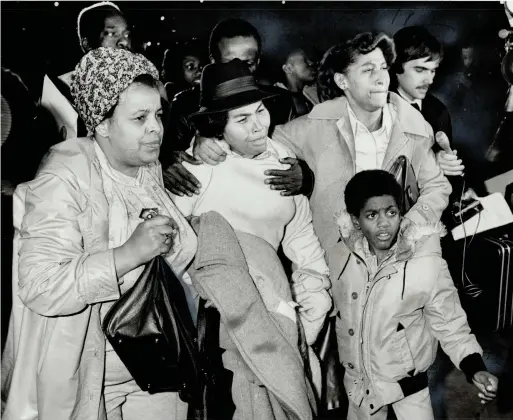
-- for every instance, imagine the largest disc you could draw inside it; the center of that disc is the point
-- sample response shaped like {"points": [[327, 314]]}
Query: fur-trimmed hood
{"points": [[412, 240]]}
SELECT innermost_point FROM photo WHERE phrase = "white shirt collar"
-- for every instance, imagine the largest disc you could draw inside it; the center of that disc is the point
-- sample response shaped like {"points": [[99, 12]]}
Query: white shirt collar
{"points": [[404, 96], [356, 124]]}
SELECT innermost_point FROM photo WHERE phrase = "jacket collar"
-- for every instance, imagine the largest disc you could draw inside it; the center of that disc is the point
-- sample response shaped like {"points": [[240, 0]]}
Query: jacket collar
{"points": [[415, 241], [410, 120]]}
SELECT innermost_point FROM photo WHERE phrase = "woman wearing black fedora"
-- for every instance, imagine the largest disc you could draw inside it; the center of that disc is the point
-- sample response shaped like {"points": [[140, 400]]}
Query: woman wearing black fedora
{"points": [[232, 111]]}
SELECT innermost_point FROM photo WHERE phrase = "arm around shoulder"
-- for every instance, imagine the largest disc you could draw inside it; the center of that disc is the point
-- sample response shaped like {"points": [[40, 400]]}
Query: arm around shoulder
{"points": [[294, 135], [187, 203]]}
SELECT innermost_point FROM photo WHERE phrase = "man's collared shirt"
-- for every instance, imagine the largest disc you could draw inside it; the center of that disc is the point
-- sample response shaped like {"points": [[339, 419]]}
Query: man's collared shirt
{"points": [[370, 147], [415, 101]]}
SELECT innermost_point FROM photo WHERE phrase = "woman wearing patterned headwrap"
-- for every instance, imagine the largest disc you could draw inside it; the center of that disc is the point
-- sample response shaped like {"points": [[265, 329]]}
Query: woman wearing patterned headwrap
{"points": [[80, 244]]}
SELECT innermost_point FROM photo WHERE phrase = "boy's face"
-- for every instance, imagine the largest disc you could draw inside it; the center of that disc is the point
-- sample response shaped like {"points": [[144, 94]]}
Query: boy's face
{"points": [[379, 222]]}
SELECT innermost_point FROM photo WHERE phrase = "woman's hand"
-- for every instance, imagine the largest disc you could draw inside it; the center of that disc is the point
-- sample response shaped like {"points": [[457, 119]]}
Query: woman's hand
{"points": [[207, 150], [288, 181], [314, 306], [152, 237], [177, 179], [487, 385]]}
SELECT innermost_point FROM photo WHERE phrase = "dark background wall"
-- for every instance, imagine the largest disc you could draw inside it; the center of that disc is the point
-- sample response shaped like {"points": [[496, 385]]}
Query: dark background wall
{"points": [[39, 34], [41, 29]]}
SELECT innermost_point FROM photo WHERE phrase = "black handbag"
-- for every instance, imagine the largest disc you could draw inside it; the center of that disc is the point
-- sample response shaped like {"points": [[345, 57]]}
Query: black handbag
{"points": [[151, 329], [405, 175]]}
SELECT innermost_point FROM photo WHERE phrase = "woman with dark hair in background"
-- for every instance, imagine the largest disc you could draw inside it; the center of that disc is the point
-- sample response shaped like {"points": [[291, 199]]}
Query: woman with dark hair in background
{"points": [[181, 68]]}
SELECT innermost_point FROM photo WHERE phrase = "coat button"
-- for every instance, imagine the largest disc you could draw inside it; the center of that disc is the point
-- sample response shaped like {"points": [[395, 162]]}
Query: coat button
{"points": [[351, 332], [358, 262], [371, 406], [354, 295], [367, 392], [350, 366]]}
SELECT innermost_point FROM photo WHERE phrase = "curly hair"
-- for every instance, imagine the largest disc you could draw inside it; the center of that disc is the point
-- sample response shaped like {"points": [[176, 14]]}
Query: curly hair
{"points": [[172, 61], [368, 184], [211, 125], [339, 57], [412, 43]]}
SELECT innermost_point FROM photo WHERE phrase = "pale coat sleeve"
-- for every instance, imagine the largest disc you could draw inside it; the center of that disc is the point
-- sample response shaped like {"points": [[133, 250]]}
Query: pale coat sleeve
{"points": [[56, 276], [300, 243], [294, 135], [434, 189], [448, 320]]}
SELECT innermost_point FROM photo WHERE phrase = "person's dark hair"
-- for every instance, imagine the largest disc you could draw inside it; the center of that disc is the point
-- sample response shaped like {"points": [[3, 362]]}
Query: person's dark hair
{"points": [[92, 22], [412, 43], [172, 62], [143, 79], [339, 57], [211, 125], [231, 28], [368, 184]]}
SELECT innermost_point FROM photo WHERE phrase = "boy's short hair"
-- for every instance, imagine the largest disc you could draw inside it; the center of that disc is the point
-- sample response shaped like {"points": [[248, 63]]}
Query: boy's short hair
{"points": [[412, 43], [231, 28], [339, 57], [367, 184]]}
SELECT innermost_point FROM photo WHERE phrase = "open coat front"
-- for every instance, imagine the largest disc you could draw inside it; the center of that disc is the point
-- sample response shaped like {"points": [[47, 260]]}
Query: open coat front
{"points": [[324, 139], [265, 344], [389, 323]]}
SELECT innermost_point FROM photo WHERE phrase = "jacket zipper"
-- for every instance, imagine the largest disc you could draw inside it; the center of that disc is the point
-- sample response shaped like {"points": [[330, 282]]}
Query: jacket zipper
{"points": [[363, 322]]}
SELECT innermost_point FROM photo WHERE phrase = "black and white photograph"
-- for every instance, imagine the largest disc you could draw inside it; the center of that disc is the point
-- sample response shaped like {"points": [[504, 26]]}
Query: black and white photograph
{"points": [[256, 210]]}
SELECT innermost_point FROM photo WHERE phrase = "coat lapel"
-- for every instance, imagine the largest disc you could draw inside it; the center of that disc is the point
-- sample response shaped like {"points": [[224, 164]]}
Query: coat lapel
{"points": [[347, 141], [397, 143]]}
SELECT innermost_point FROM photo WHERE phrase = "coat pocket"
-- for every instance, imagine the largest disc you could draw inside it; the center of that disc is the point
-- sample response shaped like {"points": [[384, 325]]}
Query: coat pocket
{"points": [[404, 355], [394, 360]]}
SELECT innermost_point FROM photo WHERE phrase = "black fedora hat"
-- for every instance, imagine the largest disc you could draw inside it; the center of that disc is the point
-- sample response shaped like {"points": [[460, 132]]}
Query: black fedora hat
{"points": [[226, 86]]}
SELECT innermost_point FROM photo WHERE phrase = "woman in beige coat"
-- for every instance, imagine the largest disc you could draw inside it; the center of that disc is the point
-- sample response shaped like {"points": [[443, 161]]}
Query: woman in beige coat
{"points": [[80, 244]]}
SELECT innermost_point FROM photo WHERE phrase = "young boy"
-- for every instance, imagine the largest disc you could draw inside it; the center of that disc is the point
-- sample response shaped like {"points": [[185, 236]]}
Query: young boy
{"points": [[395, 299]]}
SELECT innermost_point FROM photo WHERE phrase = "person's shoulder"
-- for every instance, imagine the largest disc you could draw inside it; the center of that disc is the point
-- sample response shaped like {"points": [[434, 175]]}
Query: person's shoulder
{"points": [[281, 150], [72, 157], [202, 172], [186, 96], [435, 104], [411, 120]]}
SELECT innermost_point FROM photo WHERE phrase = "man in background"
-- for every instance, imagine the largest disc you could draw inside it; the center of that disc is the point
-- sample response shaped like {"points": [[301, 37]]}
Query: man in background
{"points": [[299, 76]]}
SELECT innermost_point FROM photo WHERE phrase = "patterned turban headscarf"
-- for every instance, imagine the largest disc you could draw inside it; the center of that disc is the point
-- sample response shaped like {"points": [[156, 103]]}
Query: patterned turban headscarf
{"points": [[100, 77]]}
